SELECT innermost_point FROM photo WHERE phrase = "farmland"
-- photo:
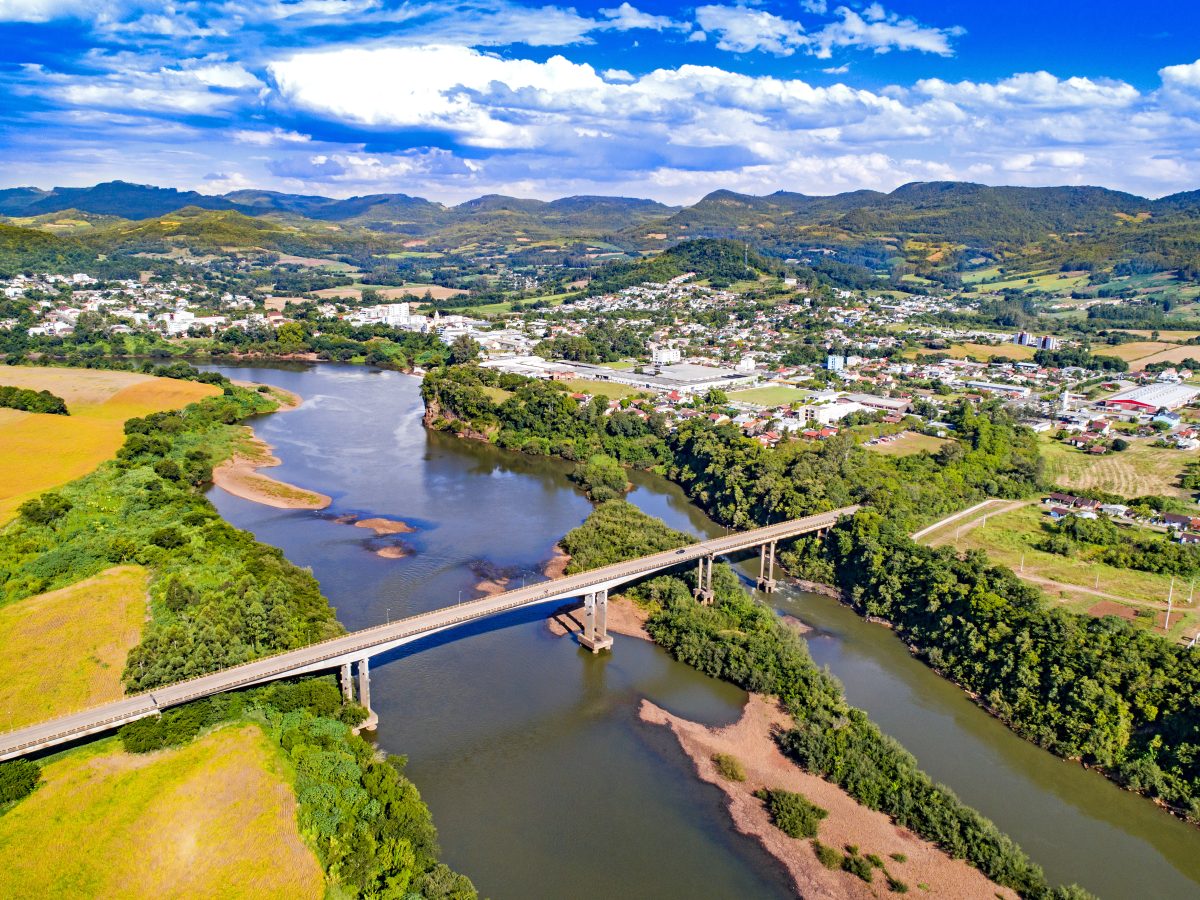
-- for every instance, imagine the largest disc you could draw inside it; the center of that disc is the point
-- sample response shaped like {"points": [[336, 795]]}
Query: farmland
{"points": [[214, 818], [39, 452], [66, 649], [1136, 472]]}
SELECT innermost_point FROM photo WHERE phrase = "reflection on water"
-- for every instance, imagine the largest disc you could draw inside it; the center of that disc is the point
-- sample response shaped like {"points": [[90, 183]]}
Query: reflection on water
{"points": [[528, 749]]}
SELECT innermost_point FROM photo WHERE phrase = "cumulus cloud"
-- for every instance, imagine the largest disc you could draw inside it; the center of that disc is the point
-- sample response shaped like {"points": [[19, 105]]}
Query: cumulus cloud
{"points": [[741, 29], [627, 18], [878, 30]]}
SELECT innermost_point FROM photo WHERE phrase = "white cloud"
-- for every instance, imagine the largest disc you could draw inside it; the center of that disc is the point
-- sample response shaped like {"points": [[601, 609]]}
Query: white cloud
{"points": [[741, 29], [1033, 90], [129, 81], [43, 10], [881, 31], [617, 75], [272, 138], [626, 18], [837, 70]]}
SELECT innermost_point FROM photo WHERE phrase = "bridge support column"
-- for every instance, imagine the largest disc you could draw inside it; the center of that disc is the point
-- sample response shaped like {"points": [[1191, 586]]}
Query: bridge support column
{"points": [[347, 684], [766, 567], [704, 591], [595, 622], [364, 694]]}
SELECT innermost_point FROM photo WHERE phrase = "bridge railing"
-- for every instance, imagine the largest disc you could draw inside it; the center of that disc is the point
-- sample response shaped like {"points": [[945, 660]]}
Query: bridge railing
{"points": [[408, 628]]}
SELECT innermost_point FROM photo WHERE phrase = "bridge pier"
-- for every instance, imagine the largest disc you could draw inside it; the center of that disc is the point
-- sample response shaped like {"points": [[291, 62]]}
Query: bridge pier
{"points": [[364, 672], [595, 622], [704, 591], [766, 568]]}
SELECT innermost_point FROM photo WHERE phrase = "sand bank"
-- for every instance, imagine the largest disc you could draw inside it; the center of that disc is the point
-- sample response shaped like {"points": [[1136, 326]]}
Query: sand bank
{"points": [[751, 741], [380, 525], [624, 617], [392, 551], [239, 476]]}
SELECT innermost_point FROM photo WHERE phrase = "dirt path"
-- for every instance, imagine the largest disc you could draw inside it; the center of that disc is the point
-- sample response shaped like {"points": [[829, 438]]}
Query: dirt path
{"points": [[924, 869]]}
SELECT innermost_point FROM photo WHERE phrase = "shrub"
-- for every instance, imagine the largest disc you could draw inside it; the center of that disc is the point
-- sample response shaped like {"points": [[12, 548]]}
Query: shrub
{"points": [[895, 885], [44, 510], [828, 856], [899, 857], [792, 813], [729, 766], [858, 866], [18, 778]]}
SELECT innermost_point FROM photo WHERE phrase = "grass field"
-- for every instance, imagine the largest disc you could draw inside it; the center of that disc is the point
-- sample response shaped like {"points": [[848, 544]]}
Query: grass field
{"points": [[38, 451], [216, 818], [66, 650], [1135, 472], [775, 395], [601, 388], [909, 443], [354, 291], [1008, 538], [977, 351], [497, 395]]}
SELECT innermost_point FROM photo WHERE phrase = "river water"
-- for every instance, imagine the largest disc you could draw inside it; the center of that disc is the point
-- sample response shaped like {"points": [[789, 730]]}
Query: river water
{"points": [[541, 779]]}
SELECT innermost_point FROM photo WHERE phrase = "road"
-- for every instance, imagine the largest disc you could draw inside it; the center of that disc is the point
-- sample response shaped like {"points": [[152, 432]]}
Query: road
{"points": [[368, 642]]}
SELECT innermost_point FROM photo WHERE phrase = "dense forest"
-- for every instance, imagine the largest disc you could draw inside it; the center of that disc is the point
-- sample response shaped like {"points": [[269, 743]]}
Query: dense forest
{"points": [[218, 596], [743, 642], [1095, 689]]}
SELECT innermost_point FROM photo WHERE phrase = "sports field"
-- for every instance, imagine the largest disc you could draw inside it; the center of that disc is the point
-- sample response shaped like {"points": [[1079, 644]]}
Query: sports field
{"points": [[66, 649], [608, 389], [771, 396], [39, 452], [216, 818]]}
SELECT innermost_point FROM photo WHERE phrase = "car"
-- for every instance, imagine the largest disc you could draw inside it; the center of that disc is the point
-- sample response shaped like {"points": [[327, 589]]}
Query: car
{"points": [[681, 551]]}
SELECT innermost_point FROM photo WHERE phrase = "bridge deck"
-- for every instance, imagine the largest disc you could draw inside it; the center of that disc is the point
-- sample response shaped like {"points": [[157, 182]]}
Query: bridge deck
{"points": [[381, 638]]}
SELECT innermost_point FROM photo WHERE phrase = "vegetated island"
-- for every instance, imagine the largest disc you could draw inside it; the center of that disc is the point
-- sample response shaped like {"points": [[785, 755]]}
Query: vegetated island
{"points": [[876, 798]]}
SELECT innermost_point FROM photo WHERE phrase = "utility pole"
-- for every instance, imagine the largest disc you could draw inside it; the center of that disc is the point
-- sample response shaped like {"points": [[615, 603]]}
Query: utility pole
{"points": [[1170, 596]]}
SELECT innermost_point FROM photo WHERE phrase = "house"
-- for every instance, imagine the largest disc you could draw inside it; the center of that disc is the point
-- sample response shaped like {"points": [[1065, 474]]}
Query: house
{"points": [[1178, 521], [1189, 537]]}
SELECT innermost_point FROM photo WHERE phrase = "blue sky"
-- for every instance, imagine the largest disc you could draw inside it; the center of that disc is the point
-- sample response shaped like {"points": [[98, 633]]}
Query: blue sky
{"points": [[454, 99]]}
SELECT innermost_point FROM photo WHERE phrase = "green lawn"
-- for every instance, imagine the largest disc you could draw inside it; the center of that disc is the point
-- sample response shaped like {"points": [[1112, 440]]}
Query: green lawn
{"points": [[601, 388], [770, 397], [497, 395]]}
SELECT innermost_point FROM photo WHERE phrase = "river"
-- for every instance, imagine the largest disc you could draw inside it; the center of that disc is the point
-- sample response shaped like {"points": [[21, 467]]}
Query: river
{"points": [[541, 779]]}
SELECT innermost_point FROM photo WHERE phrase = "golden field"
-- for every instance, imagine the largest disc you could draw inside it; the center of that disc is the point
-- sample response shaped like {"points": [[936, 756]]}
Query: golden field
{"points": [[39, 452], [66, 649], [216, 818]]}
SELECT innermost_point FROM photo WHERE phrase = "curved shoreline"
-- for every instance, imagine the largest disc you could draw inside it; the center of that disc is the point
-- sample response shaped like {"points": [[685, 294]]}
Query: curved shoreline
{"points": [[751, 740], [239, 474]]}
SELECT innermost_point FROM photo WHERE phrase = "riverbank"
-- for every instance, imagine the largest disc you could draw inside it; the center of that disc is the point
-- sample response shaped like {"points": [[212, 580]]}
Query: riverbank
{"points": [[752, 741], [239, 476]]}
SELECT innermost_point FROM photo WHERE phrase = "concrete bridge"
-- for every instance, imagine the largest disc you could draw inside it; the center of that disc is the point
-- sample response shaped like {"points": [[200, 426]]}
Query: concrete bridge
{"points": [[356, 649]]}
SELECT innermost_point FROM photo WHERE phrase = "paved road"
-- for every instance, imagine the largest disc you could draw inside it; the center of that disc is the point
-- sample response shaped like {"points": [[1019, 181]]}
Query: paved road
{"points": [[371, 641]]}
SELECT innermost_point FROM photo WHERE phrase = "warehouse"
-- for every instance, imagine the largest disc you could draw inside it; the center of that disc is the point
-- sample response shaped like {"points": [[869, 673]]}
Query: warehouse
{"points": [[1152, 397]]}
